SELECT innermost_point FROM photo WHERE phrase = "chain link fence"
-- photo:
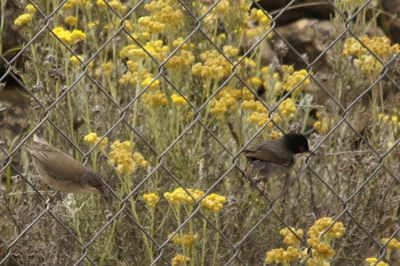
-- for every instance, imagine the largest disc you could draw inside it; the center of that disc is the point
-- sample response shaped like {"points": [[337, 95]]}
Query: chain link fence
{"points": [[189, 86]]}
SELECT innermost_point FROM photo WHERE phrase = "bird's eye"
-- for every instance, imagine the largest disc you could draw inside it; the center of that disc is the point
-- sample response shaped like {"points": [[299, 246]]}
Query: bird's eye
{"points": [[301, 149]]}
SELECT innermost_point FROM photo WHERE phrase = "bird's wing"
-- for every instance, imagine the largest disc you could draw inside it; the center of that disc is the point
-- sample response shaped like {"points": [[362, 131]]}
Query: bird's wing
{"points": [[270, 153], [64, 169]]}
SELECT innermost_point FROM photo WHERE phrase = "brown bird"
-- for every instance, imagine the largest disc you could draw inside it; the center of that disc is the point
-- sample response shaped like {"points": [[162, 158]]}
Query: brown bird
{"points": [[274, 157], [62, 172]]}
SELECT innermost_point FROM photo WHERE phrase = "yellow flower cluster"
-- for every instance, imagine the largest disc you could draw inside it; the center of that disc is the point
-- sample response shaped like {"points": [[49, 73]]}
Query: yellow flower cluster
{"points": [[320, 247], [93, 139], [157, 99], [72, 3], [280, 255], [227, 14], [287, 108], [260, 115], [31, 9], [162, 18], [179, 260], [323, 124], [290, 238], [23, 19], [149, 80], [150, 25], [69, 37], [380, 46], [275, 135], [151, 199], [136, 54], [393, 244], [221, 102], [178, 100], [107, 68], [224, 7], [227, 97], [254, 83], [71, 21], [368, 64], [215, 66], [188, 239], [274, 82], [75, 60], [264, 23], [132, 76], [289, 81], [179, 41], [213, 202], [336, 231], [170, 15], [372, 262], [179, 196], [117, 5], [123, 156], [185, 59], [230, 51]]}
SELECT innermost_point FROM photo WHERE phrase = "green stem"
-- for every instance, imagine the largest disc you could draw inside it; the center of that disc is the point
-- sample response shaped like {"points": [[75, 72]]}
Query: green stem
{"points": [[216, 238], [108, 247], [135, 104], [204, 240]]}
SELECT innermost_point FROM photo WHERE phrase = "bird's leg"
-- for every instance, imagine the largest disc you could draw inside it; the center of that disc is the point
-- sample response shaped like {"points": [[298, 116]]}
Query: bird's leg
{"points": [[51, 197]]}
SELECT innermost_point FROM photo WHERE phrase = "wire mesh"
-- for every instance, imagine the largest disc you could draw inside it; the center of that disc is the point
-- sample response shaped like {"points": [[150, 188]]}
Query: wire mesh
{"points": [[353, 179]]}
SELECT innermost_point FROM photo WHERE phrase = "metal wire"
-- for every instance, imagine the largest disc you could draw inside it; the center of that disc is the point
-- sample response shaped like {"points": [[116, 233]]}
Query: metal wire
{"points": [[235, 246]]}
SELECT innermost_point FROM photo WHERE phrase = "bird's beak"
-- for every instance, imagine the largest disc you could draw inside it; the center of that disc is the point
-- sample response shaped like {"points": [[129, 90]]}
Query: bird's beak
{"points": [[312, 153]]}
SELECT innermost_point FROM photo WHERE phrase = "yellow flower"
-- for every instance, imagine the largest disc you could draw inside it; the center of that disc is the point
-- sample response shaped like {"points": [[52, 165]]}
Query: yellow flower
{"points": [[101, 3], [139, 159], [78, 36], [290, 238], [275, 135], [151, 199], [179, 196], [123, 156], [107, 68], [230, 51], [188, 239], [93, 139], [71, 21], [336, 231], [178, 260], [282, 256], [31, 9], [321, 126], [69, 4], [288, 108], [372, 261], [178, 100], [23, 19], [213, 202], [75, 60], [148, 80], [393, 244]]}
